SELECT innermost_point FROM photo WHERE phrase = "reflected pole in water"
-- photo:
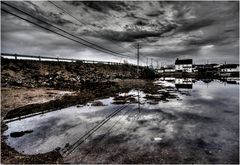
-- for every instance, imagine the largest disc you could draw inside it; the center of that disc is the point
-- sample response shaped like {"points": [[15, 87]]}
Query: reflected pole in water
{"points": [[138, 101]]}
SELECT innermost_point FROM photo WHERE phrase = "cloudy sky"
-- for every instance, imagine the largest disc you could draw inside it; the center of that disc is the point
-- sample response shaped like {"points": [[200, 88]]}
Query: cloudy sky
{"points": [[204, 31]]}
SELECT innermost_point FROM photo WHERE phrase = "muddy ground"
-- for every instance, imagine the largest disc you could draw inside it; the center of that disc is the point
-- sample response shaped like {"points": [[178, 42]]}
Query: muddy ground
{"points": [[13, 98], [22, 101]]}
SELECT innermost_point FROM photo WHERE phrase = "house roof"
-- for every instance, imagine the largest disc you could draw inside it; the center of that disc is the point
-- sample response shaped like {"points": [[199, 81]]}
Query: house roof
{"points": [[183, 61]]}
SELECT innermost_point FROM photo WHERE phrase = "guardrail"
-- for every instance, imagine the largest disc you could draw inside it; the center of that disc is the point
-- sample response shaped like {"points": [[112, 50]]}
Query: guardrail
{"points": [[42, 58]]}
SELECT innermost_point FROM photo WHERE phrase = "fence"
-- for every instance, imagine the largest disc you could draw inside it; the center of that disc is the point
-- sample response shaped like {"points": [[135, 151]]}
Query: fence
{"points": [[42, 58]]}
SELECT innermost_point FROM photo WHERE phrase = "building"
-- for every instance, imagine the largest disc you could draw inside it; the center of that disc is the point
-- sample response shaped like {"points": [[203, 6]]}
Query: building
{"points": [[170, 79], [205, 68], [168, 69], [184, 65], [229, 68]]}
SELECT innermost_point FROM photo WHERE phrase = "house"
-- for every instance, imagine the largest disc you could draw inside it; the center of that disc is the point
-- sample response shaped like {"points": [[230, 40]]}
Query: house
{"points": [[184, 65], [169, 79], [205, 67], [168, 69], [161, 70], [227, 68]]}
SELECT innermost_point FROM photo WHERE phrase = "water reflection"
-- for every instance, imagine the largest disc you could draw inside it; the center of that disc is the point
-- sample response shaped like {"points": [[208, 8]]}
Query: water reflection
{"points": [[162, 123], [230, 80], [187, 83]]}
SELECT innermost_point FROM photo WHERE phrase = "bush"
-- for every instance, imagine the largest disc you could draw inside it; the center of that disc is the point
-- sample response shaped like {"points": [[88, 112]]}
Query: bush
{"points": [[147, 73]]}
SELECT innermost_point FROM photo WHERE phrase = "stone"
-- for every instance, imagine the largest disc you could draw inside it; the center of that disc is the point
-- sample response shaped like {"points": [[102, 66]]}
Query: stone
{"points": [[97, 103]]}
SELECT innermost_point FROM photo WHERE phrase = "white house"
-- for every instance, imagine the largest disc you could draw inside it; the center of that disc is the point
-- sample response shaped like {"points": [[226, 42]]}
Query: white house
{"points": [[168, 69], [161, 70], [228, 68], [184, 65]]}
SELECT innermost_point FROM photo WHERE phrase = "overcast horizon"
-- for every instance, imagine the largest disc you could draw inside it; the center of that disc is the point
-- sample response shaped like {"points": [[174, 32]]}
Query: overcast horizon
{"points": [[203, 31]]}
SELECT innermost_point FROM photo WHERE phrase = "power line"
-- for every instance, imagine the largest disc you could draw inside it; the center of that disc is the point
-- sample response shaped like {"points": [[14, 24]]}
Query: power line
{"points": [[101, 48], [91, 131], [62, 30], [107, 133], [67, 12], [52, 31]]}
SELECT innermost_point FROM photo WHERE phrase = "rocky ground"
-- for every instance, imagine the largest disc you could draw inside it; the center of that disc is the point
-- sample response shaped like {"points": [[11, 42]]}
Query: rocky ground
{"points": [[10, 156], [12, 98], [26, 73]]}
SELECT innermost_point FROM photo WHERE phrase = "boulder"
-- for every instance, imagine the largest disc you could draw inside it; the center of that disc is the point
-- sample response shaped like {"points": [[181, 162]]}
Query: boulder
{"points": [[97, 103]]}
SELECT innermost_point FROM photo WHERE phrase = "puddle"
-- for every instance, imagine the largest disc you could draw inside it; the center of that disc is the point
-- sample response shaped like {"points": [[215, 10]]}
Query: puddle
{"points": [[179, 118]]}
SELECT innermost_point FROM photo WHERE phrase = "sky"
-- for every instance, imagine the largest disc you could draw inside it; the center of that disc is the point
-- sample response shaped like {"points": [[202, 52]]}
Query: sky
{"points": [[205, 31]]}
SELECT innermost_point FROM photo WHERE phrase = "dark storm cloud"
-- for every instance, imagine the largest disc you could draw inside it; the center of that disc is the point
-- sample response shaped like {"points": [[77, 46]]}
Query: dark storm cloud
{"points": [[155, 13], [134, 16], [101, 7], [216, 40], [172, 54], [141, 23], [37, 12], [131, 36], [181, 29], [196, 24]]}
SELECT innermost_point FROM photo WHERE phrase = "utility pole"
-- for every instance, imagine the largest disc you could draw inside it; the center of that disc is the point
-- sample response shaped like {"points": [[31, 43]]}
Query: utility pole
{"points": [[152, 63], [147, 62], [138, 47]]}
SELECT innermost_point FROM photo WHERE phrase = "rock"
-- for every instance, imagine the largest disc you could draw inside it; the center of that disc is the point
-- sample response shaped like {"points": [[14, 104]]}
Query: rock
{"points": [[153, 102], [67, 145], [97, 103], [119, 102], [59, 72], [19, 134], [4, 127], [132, 100], [57, 149]]}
